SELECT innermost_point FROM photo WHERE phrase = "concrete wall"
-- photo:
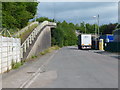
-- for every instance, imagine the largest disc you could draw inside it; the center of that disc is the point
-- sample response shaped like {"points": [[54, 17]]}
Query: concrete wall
{"points": [[9, 51], [43, 42]]}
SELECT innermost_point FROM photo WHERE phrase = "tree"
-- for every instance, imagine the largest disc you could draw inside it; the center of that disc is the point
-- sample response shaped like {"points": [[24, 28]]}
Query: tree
{"points": [[17, 14], [64, 34], [108, 29], [41, 19]]}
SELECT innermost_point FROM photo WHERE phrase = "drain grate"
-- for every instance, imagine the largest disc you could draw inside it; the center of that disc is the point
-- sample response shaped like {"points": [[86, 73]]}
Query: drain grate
{"points": [[30, 72]]}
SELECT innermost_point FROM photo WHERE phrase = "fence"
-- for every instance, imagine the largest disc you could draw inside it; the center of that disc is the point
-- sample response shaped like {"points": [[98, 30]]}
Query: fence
{"points": [[9, 52]]}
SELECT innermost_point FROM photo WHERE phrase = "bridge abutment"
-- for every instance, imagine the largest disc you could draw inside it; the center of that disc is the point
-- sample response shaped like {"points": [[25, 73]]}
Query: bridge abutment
{"points": [[43, 42]]}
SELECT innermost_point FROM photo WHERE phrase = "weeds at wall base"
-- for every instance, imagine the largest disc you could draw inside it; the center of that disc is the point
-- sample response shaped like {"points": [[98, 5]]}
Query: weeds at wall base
{"points": [[19, 64], [16, 65]]}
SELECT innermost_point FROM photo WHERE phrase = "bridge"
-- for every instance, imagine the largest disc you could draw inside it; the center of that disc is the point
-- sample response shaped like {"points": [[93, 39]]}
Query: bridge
{"points": [[12, 50], [88, 68], [38, 40]]}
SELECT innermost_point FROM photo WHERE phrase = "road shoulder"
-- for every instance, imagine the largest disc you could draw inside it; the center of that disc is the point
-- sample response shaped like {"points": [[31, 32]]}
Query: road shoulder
{"points": [[15, 78]]}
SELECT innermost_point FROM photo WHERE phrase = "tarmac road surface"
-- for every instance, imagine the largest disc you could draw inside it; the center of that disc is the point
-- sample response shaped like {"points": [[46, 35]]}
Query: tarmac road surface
{"points": [[73, 68]]}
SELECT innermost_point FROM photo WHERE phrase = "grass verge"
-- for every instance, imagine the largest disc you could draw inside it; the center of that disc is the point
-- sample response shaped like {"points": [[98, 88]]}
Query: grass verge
{"points": [[49, 50], [19, 64]]}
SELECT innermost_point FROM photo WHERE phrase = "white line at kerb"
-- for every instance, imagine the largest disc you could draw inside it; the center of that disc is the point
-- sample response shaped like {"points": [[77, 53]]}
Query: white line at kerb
{"points": [[32, 78]]}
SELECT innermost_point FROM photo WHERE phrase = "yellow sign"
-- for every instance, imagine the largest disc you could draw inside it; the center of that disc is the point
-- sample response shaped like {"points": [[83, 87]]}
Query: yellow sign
{"points": [[101, 47]]}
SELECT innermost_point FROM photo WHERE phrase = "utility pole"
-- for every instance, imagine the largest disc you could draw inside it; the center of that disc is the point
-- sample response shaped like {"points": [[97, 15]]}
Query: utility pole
{"points": [[98, 25], [95, 36], [85, 27], [95, 33]]}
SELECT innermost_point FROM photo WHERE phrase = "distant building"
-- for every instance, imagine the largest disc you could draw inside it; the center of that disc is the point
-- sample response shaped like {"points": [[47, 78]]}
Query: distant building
{"points": [[107, 38], [116, 35]]}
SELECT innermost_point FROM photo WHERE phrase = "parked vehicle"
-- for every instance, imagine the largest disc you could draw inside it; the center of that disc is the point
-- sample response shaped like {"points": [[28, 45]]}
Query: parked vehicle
{"points": [[84, 41]]}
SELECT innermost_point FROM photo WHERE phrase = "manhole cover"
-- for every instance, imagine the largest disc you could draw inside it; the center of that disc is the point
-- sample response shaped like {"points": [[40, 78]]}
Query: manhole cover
{"points": [[30, 72]]}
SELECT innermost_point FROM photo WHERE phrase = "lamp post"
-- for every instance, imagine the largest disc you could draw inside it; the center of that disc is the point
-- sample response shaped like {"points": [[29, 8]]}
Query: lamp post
{"points": [[85, 27], [98, 25], [95, 26], [97, 18], [95, 33]]}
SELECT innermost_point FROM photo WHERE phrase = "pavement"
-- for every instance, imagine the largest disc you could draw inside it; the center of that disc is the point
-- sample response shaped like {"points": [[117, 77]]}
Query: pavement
{"points": [[18, 77], [66, 68]]}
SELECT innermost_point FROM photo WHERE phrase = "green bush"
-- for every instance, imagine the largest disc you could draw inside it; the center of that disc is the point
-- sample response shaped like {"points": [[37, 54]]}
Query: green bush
{"points": [[34, 57], [49, 50], [41, 19]]}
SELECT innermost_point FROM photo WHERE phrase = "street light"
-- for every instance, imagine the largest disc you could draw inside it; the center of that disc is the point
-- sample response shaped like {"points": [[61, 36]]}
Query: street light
{"points": [[95, 27], [85, 27], [94, 16], [96, 33], [97, 18], [98, 25]]}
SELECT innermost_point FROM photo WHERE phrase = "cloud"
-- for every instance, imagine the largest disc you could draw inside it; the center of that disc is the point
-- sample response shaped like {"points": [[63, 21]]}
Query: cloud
{"points": [[77, 12], [78, 0]]}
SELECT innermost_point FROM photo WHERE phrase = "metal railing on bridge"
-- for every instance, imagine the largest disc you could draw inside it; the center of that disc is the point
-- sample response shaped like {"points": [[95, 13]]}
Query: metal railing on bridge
{"points": [[33, 35]]}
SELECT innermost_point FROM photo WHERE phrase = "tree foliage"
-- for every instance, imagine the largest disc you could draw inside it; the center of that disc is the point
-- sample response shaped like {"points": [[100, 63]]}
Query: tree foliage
{"points": [[17, 14], [108, 28], [64, 34], [41, 19], [90, 28]]}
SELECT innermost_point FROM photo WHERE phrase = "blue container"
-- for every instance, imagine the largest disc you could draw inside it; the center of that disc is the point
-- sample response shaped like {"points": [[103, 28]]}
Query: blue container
{"points": [[107, 38]]}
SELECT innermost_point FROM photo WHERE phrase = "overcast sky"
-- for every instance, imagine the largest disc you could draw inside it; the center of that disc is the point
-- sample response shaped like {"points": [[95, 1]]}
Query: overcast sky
{"points": [[77, 12]]}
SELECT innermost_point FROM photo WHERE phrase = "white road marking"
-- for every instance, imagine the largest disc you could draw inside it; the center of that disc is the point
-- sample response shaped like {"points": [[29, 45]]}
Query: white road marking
{"points": [[32, 78]]}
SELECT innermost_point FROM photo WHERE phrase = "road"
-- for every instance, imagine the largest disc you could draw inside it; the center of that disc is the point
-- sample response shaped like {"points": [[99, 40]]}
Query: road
{"points": [[73, 68]]}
